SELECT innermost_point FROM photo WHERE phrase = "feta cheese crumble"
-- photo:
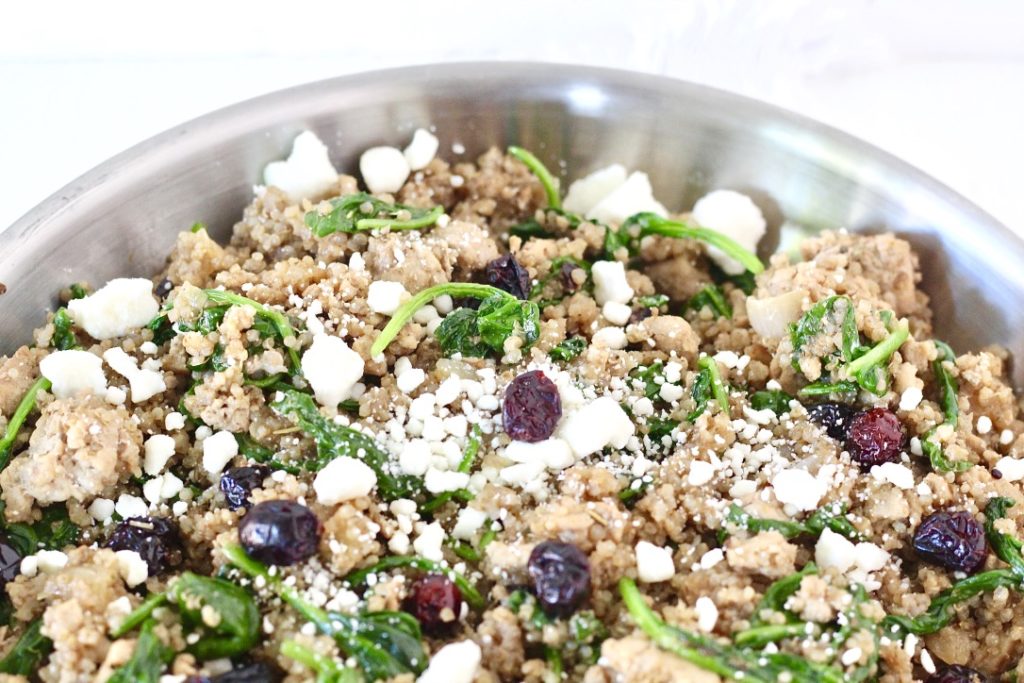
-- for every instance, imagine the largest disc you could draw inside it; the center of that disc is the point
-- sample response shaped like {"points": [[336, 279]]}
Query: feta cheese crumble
{"points": [[453, 663], [332, 369], [610, 283], [218, 450], [120, 306], [145, 384], [307, 172], [74, 372], [734, 215], [654, 564], [384, 169], [421, 149], [343, 479], [600, 423]]}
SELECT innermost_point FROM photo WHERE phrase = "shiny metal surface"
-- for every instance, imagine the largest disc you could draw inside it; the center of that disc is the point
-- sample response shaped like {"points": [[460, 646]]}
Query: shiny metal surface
{"points": [[122, 217]]}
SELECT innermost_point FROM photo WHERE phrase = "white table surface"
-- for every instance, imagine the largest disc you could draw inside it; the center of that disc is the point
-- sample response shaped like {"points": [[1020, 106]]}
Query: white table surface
{"points": [[939, 83]]}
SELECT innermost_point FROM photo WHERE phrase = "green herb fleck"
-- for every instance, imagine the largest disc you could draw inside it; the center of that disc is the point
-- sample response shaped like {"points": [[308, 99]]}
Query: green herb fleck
{"points": [[568, 349], [775, 400]]}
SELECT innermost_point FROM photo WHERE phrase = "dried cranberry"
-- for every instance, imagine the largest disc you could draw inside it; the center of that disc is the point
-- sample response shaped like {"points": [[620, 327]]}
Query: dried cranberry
{"points": [[251, 672], [561, 577], [532, 407], [833, 417], [569, 284], [640, 314], [435, 601], [156, 539], [10, 561], [875, 436], [163, 288], [954, 540], [506, 274], [238, 483], [280, 532], [957, 674]]}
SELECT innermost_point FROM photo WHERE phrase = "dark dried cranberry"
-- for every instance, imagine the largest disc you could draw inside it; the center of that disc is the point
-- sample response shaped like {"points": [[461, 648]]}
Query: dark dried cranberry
{"points": [[954, 540], [506, 274], [280, 532], [833, 417], [251, 672], [640, 314], [875, 436], [238, 483], [156, 539], [163, 288], [561, 577], [532, 407], [957, 674], [435, 601], [10, 561]]}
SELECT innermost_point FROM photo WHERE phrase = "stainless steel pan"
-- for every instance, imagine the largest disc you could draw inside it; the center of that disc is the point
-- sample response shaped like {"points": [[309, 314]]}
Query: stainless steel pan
{"points": [[121, 218]]}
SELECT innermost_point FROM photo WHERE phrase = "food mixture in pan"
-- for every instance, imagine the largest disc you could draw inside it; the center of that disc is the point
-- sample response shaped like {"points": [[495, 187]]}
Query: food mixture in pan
{"points": [[446, 423]]}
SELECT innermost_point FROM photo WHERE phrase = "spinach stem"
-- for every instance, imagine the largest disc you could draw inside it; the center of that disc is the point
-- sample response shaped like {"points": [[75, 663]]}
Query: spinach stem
{"points": [[653, 224], [139, 615], [880, 352], [21, 413], [543, 174], [421, 299], [717, 386], [278, 319]]}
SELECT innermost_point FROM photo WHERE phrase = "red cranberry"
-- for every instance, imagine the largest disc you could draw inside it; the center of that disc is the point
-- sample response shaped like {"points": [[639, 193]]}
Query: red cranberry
{"points": [[280, 532], [532, 407], [238, 483], [10, 561], [435, 601], [561, 577], [156, 539], [833, 417], [569, 284], [954, 540], [875, 436], [957, 674], [506, 274]]}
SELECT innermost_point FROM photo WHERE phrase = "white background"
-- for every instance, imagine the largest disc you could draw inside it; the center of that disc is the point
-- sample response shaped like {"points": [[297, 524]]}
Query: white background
{"points": [[938, 82]]}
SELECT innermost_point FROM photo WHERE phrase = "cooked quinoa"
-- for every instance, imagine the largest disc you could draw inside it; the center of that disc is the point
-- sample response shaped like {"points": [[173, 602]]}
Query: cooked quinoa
{"points": [[444, 424]]}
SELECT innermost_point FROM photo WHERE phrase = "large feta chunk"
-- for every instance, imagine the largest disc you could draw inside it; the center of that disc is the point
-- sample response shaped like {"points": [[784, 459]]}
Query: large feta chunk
{"points": [[468, 523], [332, 369], [73, 372], [218, 450], [654, 564], [384, 169], [385, 297], [554, 453], [159, 449], [439, 481], [421, 150], [734, 215], [600, 423], [429, 541], [1012, 469], [799, 488], [144, 384], [453, 663], [610, 283], [632, 197], [306, 172], [344, 479], [585, 193], [120, 306]]}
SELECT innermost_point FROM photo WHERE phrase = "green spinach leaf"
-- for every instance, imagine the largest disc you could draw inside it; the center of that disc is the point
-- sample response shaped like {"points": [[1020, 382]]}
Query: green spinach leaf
{"points": [[775, 400], [361, 212], [711, 296], [547, 181], [26, 656], [568, 349], [63, 338], [18, 418], [147, 661], [707, 385]]}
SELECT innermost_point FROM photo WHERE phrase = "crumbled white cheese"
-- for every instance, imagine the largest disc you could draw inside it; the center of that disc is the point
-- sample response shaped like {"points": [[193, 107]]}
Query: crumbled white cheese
{"points": [[911, 398], [415, 457], [523, 475], [1006, 437], [448, 391], [145, 384], [610, 338], [343, 479], [332, 369], [115, 396], [799, 488], [421, 149], [616, 313], [851, 656], [734, 215], [385, 297], [429, 541], [610, 282], [600, 423], [984, 424], [670, 392], [101, 509], [306, 172], [554, 453], [1012, 469], [132, 568], [584, 193], [895, 473], [120, 306], [159, 449], [174, 421], [73, 372], [218, 450], [632, 197], [712, 558], [701, 472], [468, 523], [410, 380], [384, 169], [859, 560], [654, 564], [707, 614], [129, 506], [453, 663], [439, 481], [51, 561]]}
